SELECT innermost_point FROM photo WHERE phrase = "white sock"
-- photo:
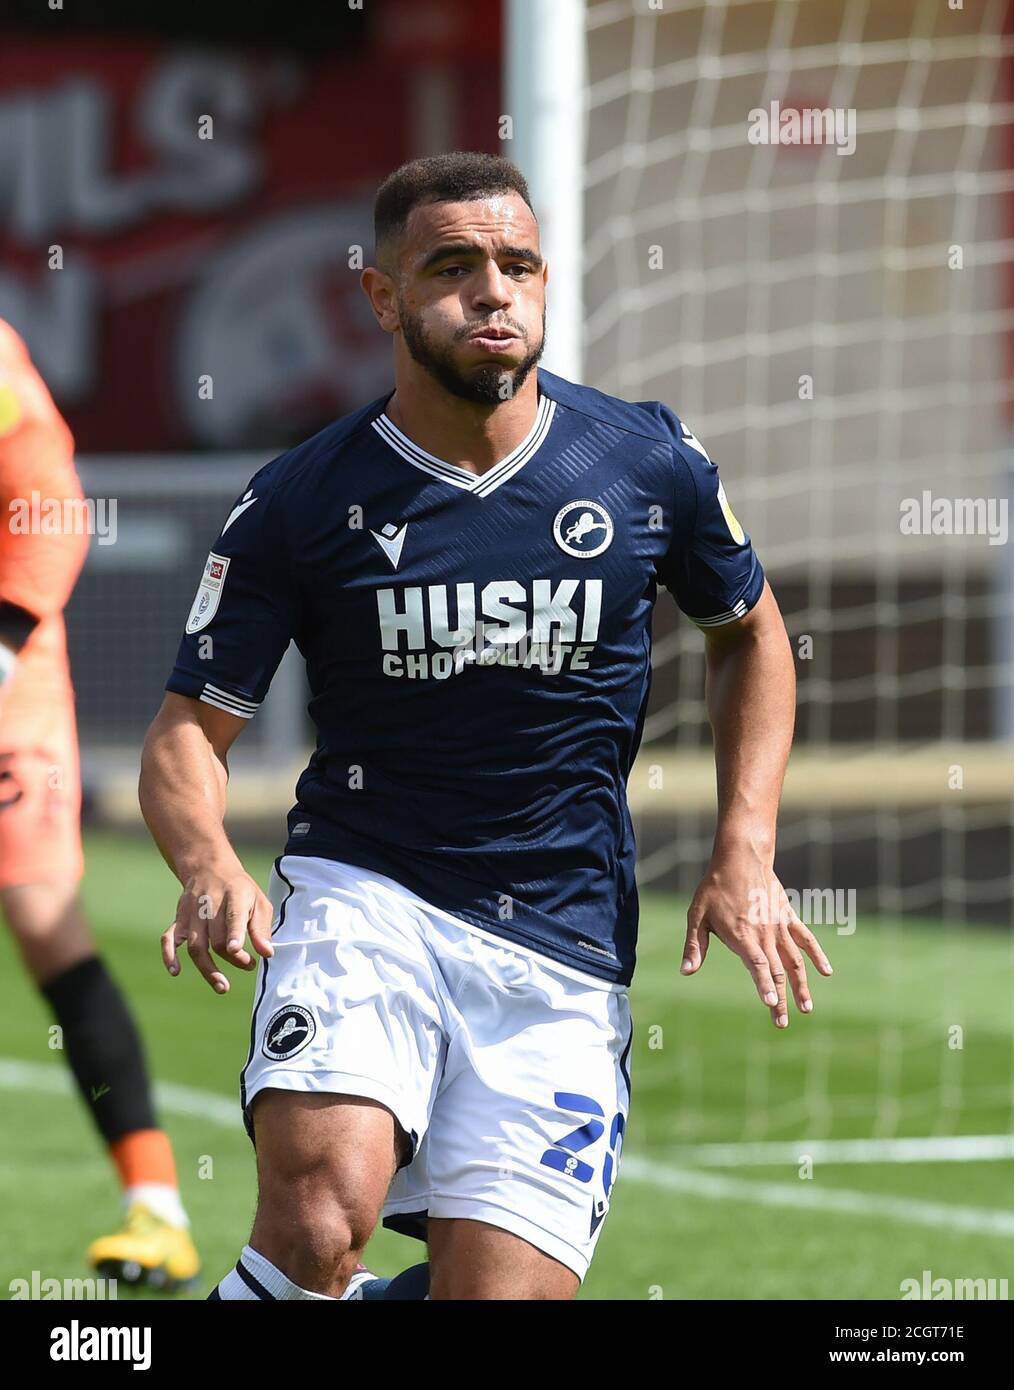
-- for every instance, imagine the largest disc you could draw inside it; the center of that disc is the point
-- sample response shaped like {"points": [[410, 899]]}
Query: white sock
{"points": [[233, 1290], [162, 1198], [263, 1273]]}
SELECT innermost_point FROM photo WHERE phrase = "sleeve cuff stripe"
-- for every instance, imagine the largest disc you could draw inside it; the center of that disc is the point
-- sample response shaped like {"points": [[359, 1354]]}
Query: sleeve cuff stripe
{"points": [[227, 706], [237, 700], [738, 610]]}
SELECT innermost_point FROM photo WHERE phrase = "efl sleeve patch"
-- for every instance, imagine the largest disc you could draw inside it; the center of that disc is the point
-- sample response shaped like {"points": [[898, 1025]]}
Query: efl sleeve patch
{"points": [[209, 592], [241, 620]]}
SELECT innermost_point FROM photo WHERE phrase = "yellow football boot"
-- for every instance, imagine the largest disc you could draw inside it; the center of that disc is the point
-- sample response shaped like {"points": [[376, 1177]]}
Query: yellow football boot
{"points": [[147, 1253]]}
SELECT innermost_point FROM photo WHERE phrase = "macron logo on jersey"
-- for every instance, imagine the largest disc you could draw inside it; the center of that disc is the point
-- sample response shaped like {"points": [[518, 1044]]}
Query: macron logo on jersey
{"points": [[391, 540], [247, 500]]}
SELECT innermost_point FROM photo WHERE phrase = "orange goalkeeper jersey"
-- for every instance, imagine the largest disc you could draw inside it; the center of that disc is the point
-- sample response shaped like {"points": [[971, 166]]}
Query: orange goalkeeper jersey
{"points": [[43, 538]]}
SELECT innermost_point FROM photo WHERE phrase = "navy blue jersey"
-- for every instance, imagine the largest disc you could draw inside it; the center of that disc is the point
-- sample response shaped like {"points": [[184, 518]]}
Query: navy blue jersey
{"points": [[478, 650]]}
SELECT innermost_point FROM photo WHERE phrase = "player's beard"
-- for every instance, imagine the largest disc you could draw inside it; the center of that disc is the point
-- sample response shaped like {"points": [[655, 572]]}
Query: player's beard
{"points": [[488, 384]]}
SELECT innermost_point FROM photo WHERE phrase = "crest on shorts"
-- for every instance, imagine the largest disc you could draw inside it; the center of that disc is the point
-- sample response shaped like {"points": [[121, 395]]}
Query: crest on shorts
{"points": [[209, 593], [288, 1032]]}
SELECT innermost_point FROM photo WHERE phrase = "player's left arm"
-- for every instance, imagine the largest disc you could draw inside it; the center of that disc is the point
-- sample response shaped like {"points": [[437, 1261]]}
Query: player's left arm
{"points": [[751, 684], [716, 578]]}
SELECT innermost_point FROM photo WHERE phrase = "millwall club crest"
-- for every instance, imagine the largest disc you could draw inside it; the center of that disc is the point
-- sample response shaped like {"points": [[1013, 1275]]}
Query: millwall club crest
{"points": [[209, 593], [583, 529], [288, 1032]]}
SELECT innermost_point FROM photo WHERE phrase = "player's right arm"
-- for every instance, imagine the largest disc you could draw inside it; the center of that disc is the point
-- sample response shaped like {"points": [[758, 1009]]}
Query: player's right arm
{"points": [[237, 632], [182, 791]]}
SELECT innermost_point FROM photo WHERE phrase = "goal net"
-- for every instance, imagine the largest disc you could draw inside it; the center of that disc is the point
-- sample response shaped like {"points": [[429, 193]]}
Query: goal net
{"points": [[798, 234]]}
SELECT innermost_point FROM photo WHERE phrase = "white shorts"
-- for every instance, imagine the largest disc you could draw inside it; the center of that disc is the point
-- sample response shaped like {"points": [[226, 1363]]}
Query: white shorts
{"points": [[508, 1071]]}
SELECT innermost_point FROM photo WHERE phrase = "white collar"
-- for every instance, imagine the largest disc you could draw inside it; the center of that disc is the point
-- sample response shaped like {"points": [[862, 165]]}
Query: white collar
{"points": [[479, 484]]}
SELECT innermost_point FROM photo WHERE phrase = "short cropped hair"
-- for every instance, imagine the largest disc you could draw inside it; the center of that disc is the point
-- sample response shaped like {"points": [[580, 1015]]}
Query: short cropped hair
{"points": [[458, 177]]}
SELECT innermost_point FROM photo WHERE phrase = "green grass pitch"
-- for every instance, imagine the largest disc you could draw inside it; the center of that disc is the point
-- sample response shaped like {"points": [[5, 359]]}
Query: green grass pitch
{"points": [[912, 1037]]}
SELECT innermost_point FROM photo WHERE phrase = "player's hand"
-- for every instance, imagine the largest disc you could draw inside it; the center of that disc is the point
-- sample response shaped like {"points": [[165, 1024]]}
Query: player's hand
{"points": [[742, 902], [216, 912]]}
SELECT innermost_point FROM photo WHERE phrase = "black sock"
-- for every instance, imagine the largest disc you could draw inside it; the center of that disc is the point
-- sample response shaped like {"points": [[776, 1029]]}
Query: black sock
{"points": [[103, 1048]]}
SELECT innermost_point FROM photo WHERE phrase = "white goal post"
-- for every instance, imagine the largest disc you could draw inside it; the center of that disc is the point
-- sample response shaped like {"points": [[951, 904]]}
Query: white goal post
{"points": [[544, 84]]}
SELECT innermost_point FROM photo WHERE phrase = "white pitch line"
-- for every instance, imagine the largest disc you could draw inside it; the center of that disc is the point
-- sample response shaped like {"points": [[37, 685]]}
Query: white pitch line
{"points": [[216, 1109], [960, 1148], [804, 1195]]}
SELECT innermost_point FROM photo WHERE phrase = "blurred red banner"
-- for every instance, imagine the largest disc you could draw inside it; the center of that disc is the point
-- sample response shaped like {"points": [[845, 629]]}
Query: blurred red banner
{"points": [[182, 228]]}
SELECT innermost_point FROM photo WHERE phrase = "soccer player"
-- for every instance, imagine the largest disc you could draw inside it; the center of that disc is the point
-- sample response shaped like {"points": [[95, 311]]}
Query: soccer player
{"points": [[43, 542], [441, 1031]]}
